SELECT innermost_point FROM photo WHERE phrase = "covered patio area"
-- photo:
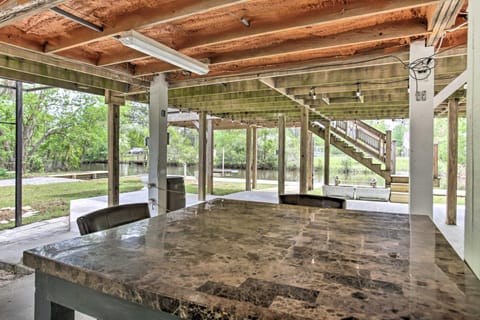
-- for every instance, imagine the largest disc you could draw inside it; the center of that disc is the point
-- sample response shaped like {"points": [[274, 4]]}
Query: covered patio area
{"points": [[322, 66]]}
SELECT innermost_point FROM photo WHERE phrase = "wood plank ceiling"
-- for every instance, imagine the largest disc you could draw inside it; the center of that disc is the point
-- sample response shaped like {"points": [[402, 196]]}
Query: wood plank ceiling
{"points": [[265, 57]]}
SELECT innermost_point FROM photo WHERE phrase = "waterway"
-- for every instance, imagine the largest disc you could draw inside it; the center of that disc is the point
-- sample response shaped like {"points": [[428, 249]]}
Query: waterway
{"points": [[291, 175]]}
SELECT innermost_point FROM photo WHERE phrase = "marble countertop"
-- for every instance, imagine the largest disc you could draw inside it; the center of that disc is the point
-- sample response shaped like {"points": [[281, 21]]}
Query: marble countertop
{"points": [[227, 259]]}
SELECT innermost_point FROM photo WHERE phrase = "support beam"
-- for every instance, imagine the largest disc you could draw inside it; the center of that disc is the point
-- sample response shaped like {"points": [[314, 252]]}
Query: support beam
{"points": [[452, 162], [421, 131], [210, 149], [157, 146], [303, 149], [326, 155], [472, 215], [18, 153], [310, 162], [388, 157], [113, 150], [202, 156], [450, 89], [254, 157], [19, 9], [248, 159], [281, 154]]}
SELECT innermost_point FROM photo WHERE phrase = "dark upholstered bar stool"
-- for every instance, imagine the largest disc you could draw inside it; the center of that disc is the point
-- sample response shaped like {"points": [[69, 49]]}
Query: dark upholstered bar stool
{"points": [[311, 200], [112, 217]]}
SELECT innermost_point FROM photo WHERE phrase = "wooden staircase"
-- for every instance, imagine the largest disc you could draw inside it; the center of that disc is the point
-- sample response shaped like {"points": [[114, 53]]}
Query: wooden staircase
{"points": [[362, 143]]}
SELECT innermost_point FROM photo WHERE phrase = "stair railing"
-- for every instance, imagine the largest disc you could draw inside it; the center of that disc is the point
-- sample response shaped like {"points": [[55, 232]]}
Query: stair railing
{"points": [[368, 139]]}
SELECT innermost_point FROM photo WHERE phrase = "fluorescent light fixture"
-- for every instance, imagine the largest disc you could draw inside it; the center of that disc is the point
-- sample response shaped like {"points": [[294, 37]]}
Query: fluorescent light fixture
{"points": [[139, 42]]}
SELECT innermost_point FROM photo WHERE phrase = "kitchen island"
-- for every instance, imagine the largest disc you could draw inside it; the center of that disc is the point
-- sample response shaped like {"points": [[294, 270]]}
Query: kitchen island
{"points": [[227, 259]]}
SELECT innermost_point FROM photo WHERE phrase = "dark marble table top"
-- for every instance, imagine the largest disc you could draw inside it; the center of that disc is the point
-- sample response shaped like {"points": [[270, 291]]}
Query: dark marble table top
{"points": [[228, 259]]}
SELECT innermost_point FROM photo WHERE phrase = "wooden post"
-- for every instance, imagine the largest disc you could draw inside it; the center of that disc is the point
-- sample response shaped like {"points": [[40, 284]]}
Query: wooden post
{"points": [[113, 149], [157, 146], [388, 157], [303, 149], [202, 155], [281, 154], [18, 153], [326, 155], [394, 157], [248, 160], [210, 148], [254, 157], [310, 162], [435, 161], [452, 161]]}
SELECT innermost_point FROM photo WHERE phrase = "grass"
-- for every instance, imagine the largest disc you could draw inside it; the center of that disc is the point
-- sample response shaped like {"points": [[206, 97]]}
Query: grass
{"points": [[53, 200], [221, 188]]}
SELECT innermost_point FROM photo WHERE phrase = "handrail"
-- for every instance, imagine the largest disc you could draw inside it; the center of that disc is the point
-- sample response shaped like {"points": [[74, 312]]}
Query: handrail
{"points": [[367, 138]]}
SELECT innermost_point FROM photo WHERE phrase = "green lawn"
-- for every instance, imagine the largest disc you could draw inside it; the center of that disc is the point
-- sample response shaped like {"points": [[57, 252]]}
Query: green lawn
{"points": [[53, 200]]}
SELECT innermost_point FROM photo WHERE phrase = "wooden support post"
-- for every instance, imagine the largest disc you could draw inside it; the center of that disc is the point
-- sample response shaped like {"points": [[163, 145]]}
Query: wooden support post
{"points": [[435, 161], [157, 146], [326, 155], [281, 154], [303, 149], [113, 149], [452, 162], [394, 157], [310, 162], [472, 200], [18, 153], [388, 157], [248, 160], [202, 155], [210, 148], [254, 157]]}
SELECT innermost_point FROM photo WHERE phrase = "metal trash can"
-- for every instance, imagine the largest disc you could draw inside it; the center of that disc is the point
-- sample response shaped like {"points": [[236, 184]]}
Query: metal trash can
{"points": [[175, 193]]}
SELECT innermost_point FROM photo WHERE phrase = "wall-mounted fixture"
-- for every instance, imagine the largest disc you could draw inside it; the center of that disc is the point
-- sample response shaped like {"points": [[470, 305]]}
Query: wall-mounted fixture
{"points": [[139, 42]]}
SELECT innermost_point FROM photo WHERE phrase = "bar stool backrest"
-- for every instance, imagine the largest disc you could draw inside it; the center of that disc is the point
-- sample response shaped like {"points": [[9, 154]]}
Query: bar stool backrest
{"points": [[112, 217], [311, 200]]}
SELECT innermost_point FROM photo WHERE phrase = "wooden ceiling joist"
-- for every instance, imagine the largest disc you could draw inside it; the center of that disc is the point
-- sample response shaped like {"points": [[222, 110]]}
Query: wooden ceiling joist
{"points": [[266, 65]]}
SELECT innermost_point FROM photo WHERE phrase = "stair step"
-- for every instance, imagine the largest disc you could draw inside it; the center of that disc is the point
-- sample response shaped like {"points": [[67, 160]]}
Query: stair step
{"points": [[399, 197], [399, 187], [400, 179]]}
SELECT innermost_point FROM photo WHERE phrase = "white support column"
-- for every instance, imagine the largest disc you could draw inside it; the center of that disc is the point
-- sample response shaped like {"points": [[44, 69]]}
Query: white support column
{"points": [[421, 135], [202, 156], [472, 216], [157, 146], [303, 149], [281, 154]]}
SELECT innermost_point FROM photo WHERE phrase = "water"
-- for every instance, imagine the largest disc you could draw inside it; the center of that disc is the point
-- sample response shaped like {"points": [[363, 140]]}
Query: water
{"points": [[358, 178]]}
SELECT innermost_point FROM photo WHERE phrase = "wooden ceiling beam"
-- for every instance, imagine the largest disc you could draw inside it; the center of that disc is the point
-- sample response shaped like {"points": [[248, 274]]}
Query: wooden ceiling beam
{"points": [[229, 106], [14, 10], [443, 18], [372, 35], [220, 88], [34, 78], [67, 64], [377, 74], [349, 11], [142, 18], [225, 96], [62, 74]]}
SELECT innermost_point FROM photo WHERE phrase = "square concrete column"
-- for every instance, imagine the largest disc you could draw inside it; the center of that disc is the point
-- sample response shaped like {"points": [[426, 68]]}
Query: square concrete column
{"points": [[472, 216], [157, 146], [421, 131]]}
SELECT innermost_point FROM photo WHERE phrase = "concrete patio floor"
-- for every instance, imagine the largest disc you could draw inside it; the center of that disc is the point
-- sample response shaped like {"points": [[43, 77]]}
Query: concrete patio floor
{"points": [[16, 297]]}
